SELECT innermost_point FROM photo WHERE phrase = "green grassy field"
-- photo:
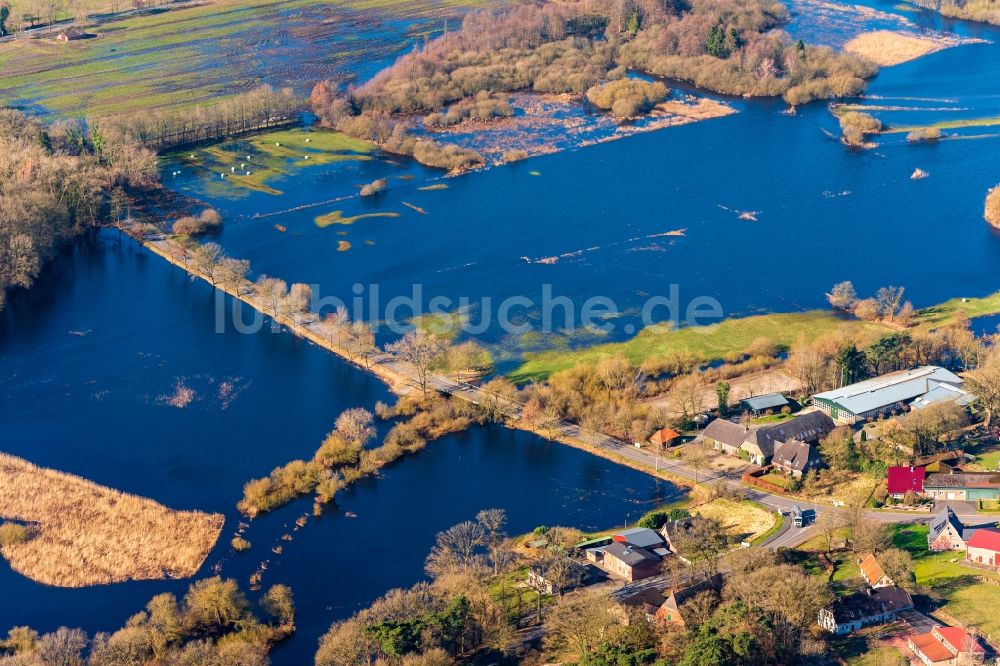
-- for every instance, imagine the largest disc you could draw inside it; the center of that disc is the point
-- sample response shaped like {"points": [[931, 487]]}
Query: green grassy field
{"points": [[734, 335], [190, 56]]}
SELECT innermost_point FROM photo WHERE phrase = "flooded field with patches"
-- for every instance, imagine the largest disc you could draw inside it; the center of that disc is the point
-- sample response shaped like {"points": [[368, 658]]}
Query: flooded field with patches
{"points": [[197, 54]]}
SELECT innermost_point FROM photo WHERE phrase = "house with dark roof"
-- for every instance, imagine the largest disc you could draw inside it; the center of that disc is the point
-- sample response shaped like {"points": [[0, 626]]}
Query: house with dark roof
{"points": [[760, 444], [983, 547], [963, 486], [671, 612], [762, 404], [862, 609], [891, 392], [648, 600], [640, 537], [725, 436], [946, 532], [796, 457], [673, 530], [872, 571], [946, 646], [630, 562], [902, 480]]}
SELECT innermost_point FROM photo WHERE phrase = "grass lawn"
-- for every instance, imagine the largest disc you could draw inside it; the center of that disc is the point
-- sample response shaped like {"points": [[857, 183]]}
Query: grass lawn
{"points": [[779, 479], [731, 336], [962, 589], [773, 418]]}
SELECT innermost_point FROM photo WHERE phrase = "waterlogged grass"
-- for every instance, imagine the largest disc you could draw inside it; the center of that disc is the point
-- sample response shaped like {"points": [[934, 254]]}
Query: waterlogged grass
{"points": [[214, 50], [252, 163], [337, 217], [705, 343], [991, 121], [709, 343], [435, 186]]}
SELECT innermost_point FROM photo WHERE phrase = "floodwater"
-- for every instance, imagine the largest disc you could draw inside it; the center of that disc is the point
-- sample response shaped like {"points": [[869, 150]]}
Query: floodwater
{"points": [[86, 361], [771, 208], [87, 357]]}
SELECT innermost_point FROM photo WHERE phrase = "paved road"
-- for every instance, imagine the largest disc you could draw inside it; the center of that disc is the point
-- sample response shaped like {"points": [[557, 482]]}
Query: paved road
{"points": [[318, 332]]}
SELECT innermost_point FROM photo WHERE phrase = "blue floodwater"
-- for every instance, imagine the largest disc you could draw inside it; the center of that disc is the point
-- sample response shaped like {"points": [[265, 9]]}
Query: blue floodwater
{"points": [[825, 213], [88, 354], [85, 358]]}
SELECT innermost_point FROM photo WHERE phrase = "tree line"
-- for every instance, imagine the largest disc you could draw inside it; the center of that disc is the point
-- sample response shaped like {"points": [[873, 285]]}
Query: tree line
{"points": [[56, 182], [213, 625]]}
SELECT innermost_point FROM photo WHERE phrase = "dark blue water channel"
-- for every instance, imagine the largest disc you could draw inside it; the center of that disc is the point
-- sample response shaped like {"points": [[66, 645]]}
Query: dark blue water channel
{"points": [[85, 359]]}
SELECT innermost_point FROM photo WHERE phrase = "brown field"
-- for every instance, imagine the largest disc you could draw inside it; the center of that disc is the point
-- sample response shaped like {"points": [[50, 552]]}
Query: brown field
{"points": [[742, 520], [86, 534], [886, 48]]}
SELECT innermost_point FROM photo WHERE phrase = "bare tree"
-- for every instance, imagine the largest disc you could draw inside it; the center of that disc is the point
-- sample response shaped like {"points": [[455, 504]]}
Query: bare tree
{"points": [[456, 549], [889, 299], [420, 350], [271, 291], [356, 425], [842, 296], [205, 258], [697, 459]]}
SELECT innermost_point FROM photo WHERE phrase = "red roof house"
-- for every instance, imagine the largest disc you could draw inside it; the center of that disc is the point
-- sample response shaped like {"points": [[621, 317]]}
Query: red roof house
{"points": [[663, 437], [984, 547], [944, 646], [904, 479]]}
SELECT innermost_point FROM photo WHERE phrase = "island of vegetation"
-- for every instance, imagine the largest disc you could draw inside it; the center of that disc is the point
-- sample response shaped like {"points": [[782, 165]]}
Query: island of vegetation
{"points": [[992, 210], [214, 624], [583, 48], [65, 531]]}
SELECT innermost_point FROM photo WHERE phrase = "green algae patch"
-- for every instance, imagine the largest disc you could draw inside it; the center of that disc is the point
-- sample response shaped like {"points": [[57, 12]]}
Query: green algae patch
{"points": [[337, 217]]}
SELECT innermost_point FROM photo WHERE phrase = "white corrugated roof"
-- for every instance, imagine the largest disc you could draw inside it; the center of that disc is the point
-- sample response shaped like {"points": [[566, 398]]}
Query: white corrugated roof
{"points": [[889, 389]]}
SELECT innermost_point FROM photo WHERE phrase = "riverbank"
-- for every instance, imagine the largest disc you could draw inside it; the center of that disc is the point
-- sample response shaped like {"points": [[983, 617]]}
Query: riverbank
{"points": [[84, 534]]}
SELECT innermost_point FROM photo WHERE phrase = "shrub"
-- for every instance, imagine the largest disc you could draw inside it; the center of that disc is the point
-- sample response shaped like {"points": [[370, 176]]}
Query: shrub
{"points": [[12, 534], [336, 451], [658, 519], [240, 544], [481, 107], [516, 155], [192, 226], [627, 98], [924, 134], [374, 187], [855, 126]]}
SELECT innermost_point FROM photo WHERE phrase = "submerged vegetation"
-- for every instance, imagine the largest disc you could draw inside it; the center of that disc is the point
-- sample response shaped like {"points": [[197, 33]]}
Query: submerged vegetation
{"points": [[856, 126], [627, 98], [85, 534]]}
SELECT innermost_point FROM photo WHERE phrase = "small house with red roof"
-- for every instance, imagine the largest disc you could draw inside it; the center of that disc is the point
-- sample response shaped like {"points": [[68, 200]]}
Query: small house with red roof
{"points": [[983, 547], [664, 437], [902, 480], [946, 646], [873, 573]]}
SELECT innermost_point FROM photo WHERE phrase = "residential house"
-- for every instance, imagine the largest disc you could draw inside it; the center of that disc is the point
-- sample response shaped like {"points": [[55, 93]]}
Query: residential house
{"points": [[946, 646], [648, 600], [862, 609], [796, 457], [672, 610], [983, 547], [641, 537], [872, 572], [674, 529], [762, 404], [963, 486], [882, 395], [664, 437], [630, 562], [760, 444], [955, 457], [725, 436], [575, 576], [903, 480], [946, 532]]}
